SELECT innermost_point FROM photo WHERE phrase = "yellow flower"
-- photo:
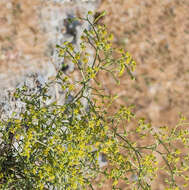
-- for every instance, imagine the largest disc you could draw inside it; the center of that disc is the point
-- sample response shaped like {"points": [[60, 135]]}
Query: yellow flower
{"points": [[110, 37], [90, 12], [85, 60], [77, 56]]}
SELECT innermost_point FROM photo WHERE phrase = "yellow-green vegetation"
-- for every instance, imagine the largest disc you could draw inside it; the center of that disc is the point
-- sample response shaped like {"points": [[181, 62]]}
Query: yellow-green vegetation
{"points": [[58, 145]]}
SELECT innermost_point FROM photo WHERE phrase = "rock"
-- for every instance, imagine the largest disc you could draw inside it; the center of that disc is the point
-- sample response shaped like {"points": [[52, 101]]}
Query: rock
{"points": [[71, 26]]}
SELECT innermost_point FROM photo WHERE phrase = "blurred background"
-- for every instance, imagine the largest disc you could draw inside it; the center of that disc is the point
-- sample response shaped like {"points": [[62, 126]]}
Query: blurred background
{"points": [[155, 32]]}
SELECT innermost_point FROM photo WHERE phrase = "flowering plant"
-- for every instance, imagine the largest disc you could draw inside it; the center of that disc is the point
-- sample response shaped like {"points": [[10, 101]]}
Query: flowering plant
{"points": [[70, 145]]}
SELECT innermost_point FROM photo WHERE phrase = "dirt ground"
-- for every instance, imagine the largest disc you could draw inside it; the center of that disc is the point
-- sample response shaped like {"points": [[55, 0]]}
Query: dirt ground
{"points": [[155, 32]]}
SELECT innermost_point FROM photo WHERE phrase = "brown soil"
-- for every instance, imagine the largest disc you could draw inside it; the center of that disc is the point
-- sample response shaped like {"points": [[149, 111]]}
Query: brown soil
{"points": [[156, 33], [22, 43]]}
